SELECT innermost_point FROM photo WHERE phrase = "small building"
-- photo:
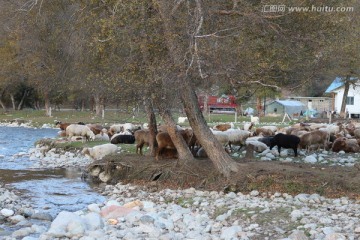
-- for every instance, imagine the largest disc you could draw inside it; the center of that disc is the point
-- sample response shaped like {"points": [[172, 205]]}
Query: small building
{"points": [[317, 103], [280, 107], [336, 89]]}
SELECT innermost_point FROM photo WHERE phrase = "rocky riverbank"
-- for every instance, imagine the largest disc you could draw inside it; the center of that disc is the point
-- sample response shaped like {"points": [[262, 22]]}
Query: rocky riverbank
{"points": [[139, 212], [133, 212]]}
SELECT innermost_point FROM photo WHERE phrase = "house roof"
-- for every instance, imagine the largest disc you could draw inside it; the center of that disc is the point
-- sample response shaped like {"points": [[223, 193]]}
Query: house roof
{"points": [[337, 83], [290, 103]]}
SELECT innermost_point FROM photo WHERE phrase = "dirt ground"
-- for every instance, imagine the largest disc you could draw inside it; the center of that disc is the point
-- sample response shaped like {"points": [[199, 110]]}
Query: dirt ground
{"points": [[264, 176]]}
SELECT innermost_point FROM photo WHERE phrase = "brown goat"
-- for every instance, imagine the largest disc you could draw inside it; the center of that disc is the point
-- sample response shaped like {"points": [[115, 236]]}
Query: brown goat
{"points": [[264, 132], [63, 126], [95, 128], [164, 141], [346, 145], [314, 137], [223, 127], [141, 139]]}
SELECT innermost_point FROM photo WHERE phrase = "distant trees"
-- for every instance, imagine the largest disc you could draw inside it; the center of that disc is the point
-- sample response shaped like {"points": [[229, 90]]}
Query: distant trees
{"points": [[159, 53]]}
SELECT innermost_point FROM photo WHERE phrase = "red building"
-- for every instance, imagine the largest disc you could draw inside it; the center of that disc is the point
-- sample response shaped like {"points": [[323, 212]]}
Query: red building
{"points": [[223, 104]]}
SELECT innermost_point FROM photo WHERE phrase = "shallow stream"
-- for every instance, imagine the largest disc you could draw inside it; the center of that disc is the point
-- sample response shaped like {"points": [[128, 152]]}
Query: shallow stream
{"points": [[47, 190]]}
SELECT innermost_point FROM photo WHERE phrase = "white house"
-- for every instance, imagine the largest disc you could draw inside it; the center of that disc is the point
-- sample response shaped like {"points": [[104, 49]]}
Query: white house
{"points": [[336, 89]]}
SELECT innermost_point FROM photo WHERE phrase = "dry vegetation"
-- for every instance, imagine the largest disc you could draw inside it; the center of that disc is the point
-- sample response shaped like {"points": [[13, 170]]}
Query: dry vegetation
{"points": [[274, 176]]}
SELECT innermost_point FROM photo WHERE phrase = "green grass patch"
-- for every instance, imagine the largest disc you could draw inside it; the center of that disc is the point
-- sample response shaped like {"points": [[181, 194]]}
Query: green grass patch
{"points": [[38, 117]]}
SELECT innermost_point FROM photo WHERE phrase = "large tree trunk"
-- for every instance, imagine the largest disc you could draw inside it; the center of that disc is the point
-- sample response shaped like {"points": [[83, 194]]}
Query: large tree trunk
{"points": [[152, 126], [346, 91], [177, 51], [181, 146], [221, 159]]}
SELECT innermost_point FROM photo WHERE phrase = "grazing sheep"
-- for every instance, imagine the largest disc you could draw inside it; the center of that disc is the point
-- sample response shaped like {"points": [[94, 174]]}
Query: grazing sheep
{"points": [[164, 141], [63, 126], [162, 128], [266, 140], [274, 129], [263, 132], [62, 133], [248, 126], [115, 128], [96, 128], [100, 151], [121, 133], [258, 146], [314, 137], [346, 145], [254, 120], [237, 137], [127, 139], [286, 141], [357, 133], [145, 126], [141, 139], [102, 136], [182, 120], [79, 130], [350, 128], [222, 137], [223, 127], [316, 126], [168, 153]]}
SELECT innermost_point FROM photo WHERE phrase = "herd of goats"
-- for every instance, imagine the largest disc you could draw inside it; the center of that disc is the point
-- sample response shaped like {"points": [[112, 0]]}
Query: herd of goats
{"points": [[310, 136]]}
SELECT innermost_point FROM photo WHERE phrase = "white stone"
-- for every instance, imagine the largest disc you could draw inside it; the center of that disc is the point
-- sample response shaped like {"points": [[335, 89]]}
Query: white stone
{"points": [[310, 159], [254, 193], [67, 224], [7, 212], [94, 208], [335, 236], [296, 215], [17, 218], [93, 221], [22, 232], [298, 235], [228, 233]]}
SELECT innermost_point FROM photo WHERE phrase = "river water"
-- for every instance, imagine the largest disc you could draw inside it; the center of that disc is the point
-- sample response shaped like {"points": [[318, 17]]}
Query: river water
{"points": [[47, 190]]}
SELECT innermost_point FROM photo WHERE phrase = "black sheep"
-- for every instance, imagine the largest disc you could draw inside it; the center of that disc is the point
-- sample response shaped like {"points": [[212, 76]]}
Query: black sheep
{"points": [[266, 140], [286, 141], [129, 139]]}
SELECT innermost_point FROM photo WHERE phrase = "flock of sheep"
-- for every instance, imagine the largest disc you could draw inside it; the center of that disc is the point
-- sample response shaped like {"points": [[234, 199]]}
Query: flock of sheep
{"points": [[310, 136]]}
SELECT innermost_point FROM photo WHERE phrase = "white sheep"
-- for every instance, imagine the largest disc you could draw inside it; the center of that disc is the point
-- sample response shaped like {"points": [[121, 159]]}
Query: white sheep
{"points": [[100, 151], [237, 136], [182, 120], [115, 128], [248, 126], [103, 136], [274, 129], [258, 146], [222, 137], [254, 120], [79, 130]]}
